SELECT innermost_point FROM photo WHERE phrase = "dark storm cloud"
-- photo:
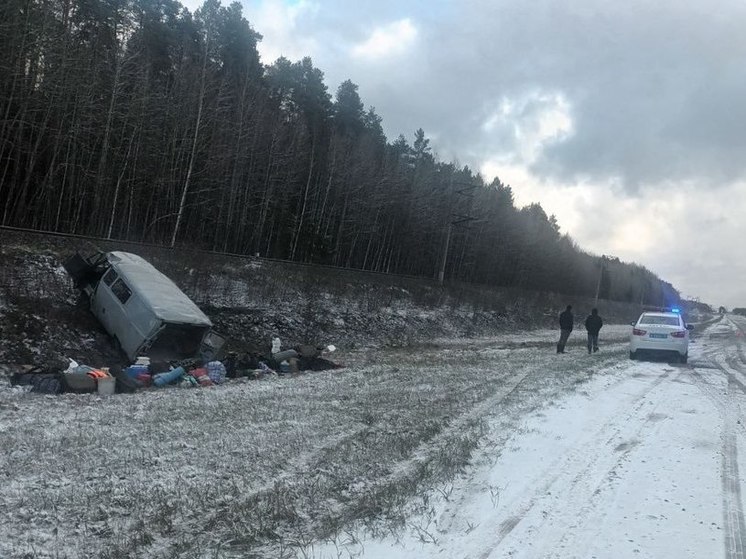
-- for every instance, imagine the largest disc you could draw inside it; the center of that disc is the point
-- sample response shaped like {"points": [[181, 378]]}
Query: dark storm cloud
{"points": [[655, 89]]}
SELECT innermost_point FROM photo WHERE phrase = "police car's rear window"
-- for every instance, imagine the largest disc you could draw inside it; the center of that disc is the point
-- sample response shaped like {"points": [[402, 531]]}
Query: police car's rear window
{"points": [[664, 320]]}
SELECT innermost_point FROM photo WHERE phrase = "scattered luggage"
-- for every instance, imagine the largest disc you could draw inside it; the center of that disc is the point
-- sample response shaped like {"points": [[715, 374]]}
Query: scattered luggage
{"points": [[162, 379], [106, 386], [79, 383], [42, 381], [84, 379], [216, 371], [125, 383]]}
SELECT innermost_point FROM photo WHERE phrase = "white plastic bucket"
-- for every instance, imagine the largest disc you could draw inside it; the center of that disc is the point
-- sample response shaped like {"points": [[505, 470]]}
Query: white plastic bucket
{"points": [[106, 386]]}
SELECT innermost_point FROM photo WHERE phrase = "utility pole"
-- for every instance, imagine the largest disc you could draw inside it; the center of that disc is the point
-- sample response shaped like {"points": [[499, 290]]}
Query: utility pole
{"points": [[442, 271], [467, 191], [600, 276]]}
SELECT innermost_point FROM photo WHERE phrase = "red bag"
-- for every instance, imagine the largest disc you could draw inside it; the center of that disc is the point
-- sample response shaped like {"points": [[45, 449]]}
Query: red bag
{"points": [[202, 376]]}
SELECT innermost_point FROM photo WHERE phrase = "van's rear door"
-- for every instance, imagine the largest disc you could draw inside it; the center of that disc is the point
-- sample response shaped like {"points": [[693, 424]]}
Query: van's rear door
{"points": [[211, 345]]}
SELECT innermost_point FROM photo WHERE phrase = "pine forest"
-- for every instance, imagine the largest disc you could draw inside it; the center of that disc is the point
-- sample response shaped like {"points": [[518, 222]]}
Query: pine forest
{"points": [[139, 120]]}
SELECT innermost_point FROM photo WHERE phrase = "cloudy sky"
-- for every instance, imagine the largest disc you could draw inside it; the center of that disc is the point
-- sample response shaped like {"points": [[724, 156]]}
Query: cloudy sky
{"points": [[626, 120]]}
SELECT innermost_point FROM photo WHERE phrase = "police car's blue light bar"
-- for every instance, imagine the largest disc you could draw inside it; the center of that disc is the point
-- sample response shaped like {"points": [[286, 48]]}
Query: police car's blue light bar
{"points": [[653, 308]]}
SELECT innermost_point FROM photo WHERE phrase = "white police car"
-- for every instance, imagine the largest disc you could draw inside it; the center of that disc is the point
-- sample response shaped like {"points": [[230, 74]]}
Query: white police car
{"points": [[660, 332]]}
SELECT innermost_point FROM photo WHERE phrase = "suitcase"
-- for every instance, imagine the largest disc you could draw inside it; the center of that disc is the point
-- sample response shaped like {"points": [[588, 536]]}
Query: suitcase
{"points": [[79, 383]]}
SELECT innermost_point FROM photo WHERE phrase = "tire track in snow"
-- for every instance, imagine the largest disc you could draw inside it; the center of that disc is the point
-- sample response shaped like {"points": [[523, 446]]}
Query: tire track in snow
{"points": [[733, 517], [570, 484], [728, 359], [732, 508], [424, 453], [735, 526]]}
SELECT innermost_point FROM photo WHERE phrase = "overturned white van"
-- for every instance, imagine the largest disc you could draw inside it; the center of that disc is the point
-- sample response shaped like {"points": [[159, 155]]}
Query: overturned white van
{"points": [[142, 309]]}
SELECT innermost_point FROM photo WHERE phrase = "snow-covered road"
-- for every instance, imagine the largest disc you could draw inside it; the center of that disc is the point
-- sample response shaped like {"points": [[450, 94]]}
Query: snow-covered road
{"points": [[642, 461]]}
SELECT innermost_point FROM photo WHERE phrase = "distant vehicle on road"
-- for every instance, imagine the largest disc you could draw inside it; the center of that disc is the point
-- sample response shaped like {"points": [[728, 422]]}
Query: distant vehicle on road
{"points": [[660, 332]]}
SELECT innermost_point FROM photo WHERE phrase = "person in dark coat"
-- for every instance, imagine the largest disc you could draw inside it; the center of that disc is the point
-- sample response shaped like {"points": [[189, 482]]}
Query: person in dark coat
{"points": [[566, 321], [593, 325]]}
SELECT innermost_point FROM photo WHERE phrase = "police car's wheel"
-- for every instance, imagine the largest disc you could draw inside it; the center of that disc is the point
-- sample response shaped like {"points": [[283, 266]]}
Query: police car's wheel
{"points": [[633, 355]]}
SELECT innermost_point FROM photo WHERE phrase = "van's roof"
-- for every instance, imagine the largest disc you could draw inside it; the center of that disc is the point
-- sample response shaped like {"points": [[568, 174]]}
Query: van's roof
{"points": [[169, 303]]}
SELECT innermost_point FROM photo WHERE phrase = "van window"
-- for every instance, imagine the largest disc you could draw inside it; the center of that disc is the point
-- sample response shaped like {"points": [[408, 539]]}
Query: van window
{"points": [[110, 276], [120, 289]]}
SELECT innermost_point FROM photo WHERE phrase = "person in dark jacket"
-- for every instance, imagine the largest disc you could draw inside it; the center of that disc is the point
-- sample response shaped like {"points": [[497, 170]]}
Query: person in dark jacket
{"points": [[567, 322], [593, 325]]}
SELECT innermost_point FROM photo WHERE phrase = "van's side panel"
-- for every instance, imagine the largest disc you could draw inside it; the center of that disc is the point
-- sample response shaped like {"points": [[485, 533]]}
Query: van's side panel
{"points": [[106, 308], [143, 320], [135, 327], [130, 322]]}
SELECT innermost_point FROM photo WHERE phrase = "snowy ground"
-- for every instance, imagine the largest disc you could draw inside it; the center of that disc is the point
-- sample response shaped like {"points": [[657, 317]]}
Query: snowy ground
{"points": [[485, 448], [641, 461]]}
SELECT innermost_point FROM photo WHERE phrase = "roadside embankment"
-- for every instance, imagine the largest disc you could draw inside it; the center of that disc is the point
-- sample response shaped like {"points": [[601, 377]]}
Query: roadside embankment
{"points": [[252, 299]]}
